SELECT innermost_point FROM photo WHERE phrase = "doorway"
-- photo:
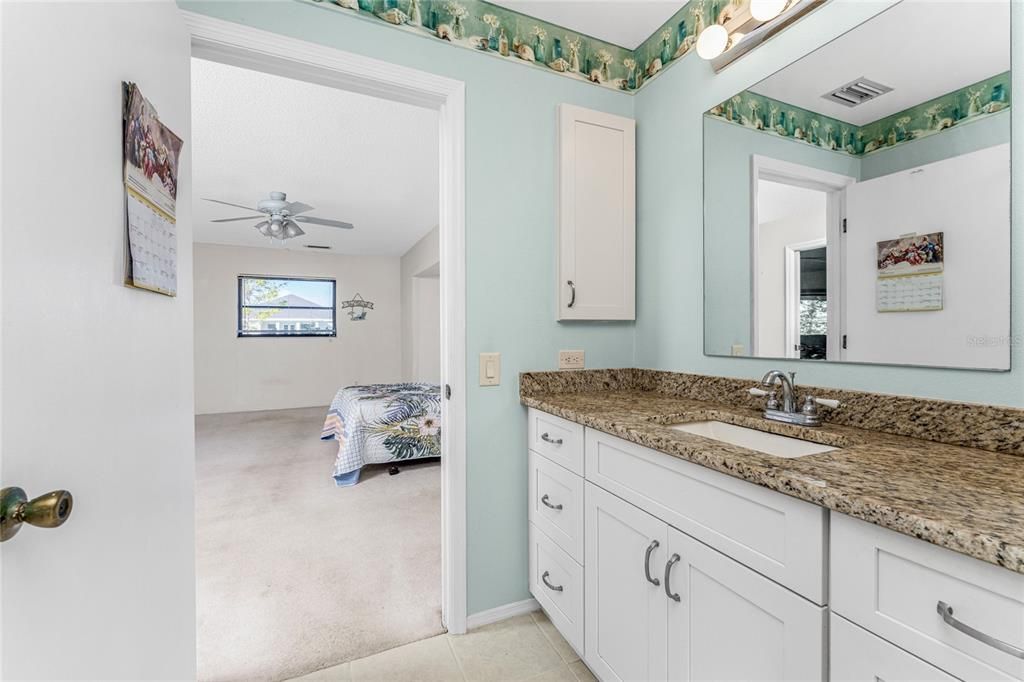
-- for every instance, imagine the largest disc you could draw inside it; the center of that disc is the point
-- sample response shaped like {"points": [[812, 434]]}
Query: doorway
{"points": [[240, 46], [796, 242]]}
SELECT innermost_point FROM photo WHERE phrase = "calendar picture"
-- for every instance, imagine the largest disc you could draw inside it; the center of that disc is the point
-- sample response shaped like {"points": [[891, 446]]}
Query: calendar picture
{"points": [[150, 178], [916, 255]]}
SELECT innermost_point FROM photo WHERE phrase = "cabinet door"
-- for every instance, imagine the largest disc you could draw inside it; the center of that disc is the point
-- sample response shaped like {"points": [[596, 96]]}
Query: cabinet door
{"points": [[624, 612], [596, 215], [732, 623]]}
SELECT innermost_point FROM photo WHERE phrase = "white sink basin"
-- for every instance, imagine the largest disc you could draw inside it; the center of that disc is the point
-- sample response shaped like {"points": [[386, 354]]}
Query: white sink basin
{"points": [[752, 439]]}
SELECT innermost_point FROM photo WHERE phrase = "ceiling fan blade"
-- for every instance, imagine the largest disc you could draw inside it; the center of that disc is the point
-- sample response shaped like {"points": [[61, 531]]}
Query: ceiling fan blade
{"points": [[297, 207], [228, 203], [322, 221], [231, 220]]}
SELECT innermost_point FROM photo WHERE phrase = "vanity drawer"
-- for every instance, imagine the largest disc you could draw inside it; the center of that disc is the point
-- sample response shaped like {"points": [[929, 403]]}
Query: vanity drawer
{"points": [[778, 536], [556, 581], [560, 440], [556, 504], [891, 584], [856, 655]]}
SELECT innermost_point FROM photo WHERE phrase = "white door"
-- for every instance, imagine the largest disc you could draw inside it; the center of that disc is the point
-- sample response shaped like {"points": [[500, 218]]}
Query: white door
{"points": [[625, 604], [967, 198], [596, 215], [97, 378], [732, 623]]}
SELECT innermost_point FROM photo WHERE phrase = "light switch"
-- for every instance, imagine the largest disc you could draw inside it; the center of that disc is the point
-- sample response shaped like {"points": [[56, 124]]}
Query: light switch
{"points": [[490, 369]]}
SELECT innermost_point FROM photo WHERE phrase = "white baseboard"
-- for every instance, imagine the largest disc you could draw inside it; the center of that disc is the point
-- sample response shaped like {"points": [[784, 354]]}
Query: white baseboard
{"points": [[499, 613]]}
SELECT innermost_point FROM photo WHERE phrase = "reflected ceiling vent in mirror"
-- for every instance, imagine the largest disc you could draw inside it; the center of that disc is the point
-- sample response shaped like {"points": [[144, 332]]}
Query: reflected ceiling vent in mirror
{"points": [[318, 246], [857, 92]]}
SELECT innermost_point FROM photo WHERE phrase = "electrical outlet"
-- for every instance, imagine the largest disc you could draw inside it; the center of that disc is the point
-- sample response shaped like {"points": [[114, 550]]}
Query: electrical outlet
{"points": [[570, 359]]}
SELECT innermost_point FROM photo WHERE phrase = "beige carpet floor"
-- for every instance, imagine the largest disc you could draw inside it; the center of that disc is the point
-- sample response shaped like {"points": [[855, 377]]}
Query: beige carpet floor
{"points": [[295, 574]]}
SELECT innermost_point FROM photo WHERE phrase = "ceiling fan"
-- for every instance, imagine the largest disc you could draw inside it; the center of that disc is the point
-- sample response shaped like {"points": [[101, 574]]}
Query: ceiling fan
{"points": [[280, 217]]}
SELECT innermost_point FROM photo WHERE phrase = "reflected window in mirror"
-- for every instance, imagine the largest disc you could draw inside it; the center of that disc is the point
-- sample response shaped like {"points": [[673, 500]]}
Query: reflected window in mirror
{"points": [[857, 202]]}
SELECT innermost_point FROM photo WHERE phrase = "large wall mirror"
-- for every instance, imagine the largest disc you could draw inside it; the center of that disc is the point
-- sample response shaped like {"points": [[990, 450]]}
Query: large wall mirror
{"points": [[857, 202]]}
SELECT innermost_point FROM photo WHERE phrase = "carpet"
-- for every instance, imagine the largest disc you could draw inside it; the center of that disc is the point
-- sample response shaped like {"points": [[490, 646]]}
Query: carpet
{"points": [[295, 574]]}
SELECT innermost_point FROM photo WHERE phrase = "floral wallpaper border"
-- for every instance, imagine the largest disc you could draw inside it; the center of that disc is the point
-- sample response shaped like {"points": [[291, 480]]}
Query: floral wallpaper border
{"points": [[500, 32], [773, 117]]}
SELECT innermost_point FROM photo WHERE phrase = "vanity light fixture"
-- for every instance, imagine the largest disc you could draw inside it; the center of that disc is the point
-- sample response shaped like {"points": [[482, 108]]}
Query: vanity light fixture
{"points": [[713, 41], [739, 28], [766, 10]]}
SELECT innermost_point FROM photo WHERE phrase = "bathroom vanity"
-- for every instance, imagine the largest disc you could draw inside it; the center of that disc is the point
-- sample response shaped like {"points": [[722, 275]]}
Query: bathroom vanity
{"points": [[660, 553]]}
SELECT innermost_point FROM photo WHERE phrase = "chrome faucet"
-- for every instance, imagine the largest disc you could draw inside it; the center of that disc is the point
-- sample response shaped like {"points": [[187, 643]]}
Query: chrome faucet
{"points": [[787, 412], [774, 376]]}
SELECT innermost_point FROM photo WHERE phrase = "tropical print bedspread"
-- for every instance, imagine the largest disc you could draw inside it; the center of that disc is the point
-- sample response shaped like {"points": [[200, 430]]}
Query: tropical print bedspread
{"points": [[380, 423]]}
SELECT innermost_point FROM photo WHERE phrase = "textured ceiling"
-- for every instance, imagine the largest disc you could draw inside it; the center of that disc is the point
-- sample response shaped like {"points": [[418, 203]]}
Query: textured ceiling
{"points": [[367, 161]]}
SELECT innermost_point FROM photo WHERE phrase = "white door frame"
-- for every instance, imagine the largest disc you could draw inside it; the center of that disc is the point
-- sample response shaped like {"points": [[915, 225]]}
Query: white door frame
{"points": [[834, 185], [791, 295], [240, 45]]}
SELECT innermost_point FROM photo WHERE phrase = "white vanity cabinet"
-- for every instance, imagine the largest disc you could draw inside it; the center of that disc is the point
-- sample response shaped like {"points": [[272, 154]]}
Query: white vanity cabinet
{"points": [[596, 215], [661, 605], [656, 602], [656, 568]]}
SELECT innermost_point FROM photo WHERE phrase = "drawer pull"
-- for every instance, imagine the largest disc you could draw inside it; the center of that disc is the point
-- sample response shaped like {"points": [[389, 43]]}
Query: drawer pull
{"points": [[544, 579], [548, 439], [668, 570], [544, 501], [647, 563], [946, 611]]}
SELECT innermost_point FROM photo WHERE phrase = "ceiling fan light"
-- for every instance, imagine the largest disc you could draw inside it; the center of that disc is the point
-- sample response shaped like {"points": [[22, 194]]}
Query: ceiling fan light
{"points": [[712, 41], [292, 230], [766, 10]]}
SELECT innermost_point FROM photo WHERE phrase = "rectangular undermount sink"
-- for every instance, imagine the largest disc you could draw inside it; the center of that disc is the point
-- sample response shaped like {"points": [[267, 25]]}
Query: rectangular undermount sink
{"points": [[752, 439]]}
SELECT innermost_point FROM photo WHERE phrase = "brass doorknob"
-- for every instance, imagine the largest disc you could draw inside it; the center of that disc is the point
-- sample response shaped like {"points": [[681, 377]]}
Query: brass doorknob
{"points": [[46, 511]]}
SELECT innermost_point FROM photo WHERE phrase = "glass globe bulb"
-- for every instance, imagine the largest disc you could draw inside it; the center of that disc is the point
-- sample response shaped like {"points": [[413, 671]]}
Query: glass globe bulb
{"points": [[766, 10], [712, 41]]}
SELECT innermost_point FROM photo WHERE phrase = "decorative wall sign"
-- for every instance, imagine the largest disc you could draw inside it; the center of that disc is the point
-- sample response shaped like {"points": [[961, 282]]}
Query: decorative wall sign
{"points": [[503, 33], [357, 307], [771, 116]]}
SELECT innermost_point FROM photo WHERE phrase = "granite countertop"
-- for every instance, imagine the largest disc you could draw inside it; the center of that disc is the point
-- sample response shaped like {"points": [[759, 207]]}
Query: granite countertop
{"points": [[965, 499]]}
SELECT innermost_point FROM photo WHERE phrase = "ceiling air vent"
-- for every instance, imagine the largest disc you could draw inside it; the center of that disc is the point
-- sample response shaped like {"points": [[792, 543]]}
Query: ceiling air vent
{"points": [[318, 246], [857, 92]]}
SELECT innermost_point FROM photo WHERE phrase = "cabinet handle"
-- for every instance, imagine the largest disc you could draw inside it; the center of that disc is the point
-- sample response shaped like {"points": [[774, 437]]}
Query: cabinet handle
{"points": [[544, 501], [548, 439], [946, 611], [668, 570], [544, 579], [647, 563], [572, 301]]}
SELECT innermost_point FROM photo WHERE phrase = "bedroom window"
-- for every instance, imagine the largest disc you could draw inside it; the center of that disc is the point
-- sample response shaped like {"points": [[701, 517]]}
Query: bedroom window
{"points": [[286, 306]]}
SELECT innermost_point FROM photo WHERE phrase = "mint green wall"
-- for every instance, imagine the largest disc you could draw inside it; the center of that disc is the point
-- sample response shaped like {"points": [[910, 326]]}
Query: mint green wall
{"points": [[960, 139], [727, 179], [669, 332], [510, 243]]}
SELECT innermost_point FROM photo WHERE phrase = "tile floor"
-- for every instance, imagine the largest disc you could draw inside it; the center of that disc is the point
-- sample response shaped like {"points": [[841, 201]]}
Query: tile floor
{"points": [[522, 648]]}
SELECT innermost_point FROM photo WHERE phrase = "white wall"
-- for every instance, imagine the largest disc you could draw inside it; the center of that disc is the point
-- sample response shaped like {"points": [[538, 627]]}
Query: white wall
{"points": [[968, 198], [804, 224], [421, 306], [239, 375], [97, 381]]}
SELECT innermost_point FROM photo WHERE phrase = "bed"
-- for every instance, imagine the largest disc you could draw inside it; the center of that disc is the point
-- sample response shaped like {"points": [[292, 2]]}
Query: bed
{"points": [[382, 423]]}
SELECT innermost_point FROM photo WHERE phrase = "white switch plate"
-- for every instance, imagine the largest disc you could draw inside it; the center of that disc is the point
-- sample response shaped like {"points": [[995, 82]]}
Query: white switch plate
{"points": [[570, 359], [490, 369]]}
